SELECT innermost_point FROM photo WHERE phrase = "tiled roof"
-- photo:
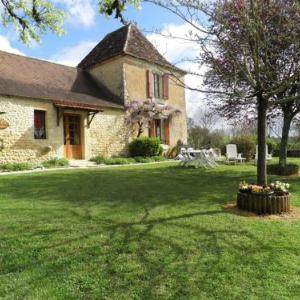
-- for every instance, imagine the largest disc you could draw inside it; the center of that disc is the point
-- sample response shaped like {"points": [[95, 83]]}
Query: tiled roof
{"points": [[33, 78], [127, 40]]}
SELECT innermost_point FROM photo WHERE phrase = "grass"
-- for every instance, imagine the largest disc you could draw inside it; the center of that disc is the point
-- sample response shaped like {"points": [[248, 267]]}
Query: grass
{"points": [[15, 167], [145, 232], [99, 160]]}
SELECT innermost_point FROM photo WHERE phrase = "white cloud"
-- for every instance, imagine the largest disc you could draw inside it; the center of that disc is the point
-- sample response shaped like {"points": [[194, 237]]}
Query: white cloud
{"points": [[174, 49], [81, 12], [71, 56], [5, 45], [178, 50]]}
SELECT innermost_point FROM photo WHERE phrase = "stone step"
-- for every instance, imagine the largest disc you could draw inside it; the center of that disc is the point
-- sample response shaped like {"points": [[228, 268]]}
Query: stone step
{"points": [[81, 163]]}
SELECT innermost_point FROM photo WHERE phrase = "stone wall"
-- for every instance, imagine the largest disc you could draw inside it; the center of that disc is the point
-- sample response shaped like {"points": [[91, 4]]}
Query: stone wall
{"points": [[136, 89], [107, 134], [17, 141], [110, 74]]}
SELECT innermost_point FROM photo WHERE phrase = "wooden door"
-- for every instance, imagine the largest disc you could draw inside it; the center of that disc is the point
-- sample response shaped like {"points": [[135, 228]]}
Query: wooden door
{"points": [[72, 136]]}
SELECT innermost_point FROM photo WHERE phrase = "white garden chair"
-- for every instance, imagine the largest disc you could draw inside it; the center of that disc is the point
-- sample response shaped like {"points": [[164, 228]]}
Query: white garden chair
{"points": [[268, 155], [232, 155]]}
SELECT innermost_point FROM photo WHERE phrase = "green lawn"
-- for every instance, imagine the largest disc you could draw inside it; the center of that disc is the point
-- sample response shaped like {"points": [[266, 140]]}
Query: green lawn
{"points": [[146, 232]]}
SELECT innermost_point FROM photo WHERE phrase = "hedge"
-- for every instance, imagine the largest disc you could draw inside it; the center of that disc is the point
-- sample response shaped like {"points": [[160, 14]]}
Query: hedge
{"points": [[290, 153], [289, 169]]}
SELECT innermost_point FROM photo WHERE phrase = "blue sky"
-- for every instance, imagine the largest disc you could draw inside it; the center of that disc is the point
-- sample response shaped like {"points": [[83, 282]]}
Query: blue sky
{"points": [[85, 27], [85, 24]]}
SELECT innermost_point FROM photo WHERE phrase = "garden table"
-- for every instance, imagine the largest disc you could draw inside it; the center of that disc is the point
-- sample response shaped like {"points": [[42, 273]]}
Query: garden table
{"points": [[204, 158]]}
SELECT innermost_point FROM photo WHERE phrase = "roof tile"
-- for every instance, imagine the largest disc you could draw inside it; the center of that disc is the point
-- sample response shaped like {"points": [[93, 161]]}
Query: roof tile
{"points": [[126, 40], [28, 77]]}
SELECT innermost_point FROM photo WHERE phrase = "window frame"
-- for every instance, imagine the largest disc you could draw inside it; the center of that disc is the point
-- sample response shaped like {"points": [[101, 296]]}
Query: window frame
{"points": [[157, 85], [160, 124], [44, 127]]}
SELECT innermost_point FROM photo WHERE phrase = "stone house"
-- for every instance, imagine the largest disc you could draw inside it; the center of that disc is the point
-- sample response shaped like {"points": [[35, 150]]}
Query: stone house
{"points": [[50, 110]]}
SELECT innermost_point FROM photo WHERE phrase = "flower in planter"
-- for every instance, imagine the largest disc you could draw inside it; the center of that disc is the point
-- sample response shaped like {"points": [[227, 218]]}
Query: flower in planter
{"points": [[256, 189], [276, 188], [280, 187], [244, 187]]}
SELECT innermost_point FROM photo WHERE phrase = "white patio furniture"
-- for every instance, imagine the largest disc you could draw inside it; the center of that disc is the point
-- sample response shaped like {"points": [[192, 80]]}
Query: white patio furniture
{"points": [[216, 153], [198, 158], [232, 155], [268, 155], [183, 156], [211, 157]]}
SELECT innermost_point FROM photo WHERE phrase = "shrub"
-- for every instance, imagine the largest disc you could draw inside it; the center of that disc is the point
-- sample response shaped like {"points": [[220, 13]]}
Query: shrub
{"points": [[246, 145], [143, 160], [272, 144], [125, 160], [56, 163], [290, 153], [145, 147], [118, 161], [16, 167], [199, 137], [294, 146], [159, 158], [112, 160], [99, 160], [289, 169]]}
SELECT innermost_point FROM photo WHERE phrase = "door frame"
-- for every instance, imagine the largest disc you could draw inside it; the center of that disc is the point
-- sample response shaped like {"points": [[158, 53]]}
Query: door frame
{"points": [[80, 134]]}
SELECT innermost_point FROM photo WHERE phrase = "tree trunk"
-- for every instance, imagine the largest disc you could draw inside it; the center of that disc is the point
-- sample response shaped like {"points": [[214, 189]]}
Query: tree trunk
{"points": [[140, 130], [262, 104], [287, 120], [139, 133]]}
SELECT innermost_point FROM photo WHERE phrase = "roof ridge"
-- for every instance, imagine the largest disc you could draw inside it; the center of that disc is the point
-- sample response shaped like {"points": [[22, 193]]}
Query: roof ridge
{"points": [[118, 29], [127, 37]]}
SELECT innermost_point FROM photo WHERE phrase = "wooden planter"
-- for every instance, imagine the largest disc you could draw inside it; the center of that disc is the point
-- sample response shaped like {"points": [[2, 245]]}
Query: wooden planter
{"points": [[263, 204]]}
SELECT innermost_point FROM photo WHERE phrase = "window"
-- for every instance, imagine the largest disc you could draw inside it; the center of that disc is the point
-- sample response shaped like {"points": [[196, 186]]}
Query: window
{"points": [[157, 83], [160, 128], [39, 124]]}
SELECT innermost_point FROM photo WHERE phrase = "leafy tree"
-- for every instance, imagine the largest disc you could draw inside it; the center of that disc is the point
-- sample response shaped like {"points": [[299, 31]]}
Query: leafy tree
{"points": [[31, 18], [198, 137], [116, 7], [140, 113], [201, 137]]}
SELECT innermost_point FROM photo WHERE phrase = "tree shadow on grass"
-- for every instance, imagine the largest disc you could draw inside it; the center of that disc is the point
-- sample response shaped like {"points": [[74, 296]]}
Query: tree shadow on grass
{"points": [[134, 233], [141, 259]]}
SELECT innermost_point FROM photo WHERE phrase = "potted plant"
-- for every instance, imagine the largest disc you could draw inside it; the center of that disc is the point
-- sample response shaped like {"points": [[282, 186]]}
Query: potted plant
{"points": [[267, 199]]}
